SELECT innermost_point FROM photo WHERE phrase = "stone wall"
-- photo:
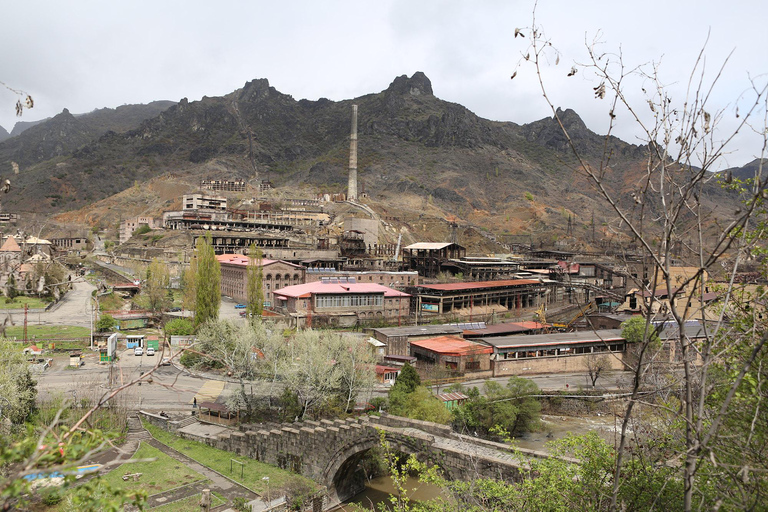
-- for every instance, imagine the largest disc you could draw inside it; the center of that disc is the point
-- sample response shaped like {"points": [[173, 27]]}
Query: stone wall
{"points": [[329, 451]]}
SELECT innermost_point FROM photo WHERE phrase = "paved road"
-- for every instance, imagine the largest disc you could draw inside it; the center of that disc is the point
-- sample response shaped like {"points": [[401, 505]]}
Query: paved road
{"points": [[73, 309], [170, 390]]}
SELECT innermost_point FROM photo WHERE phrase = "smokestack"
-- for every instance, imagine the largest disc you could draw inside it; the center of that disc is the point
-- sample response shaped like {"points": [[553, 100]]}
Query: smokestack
{"points": [[352, 186]]}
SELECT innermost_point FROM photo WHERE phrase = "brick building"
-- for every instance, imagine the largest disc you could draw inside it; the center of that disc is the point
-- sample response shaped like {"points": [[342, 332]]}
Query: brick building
{"points": [[275, 274]]}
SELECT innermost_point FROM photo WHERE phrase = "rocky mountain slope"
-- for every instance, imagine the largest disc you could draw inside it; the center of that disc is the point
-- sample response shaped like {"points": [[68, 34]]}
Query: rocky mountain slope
{"points": [[417, 154]]}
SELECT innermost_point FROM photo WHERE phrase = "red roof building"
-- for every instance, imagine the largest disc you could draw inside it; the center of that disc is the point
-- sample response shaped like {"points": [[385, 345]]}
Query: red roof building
{"points": [[452, 353], [342, 303]]}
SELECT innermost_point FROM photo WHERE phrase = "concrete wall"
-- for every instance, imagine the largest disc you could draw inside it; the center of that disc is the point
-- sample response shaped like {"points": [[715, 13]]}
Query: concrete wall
{"points": [[551, 364]]}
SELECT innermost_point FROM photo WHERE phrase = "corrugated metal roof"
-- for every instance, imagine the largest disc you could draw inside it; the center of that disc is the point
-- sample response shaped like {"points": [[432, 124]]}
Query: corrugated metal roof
{"points": [[376, 343], [450, 397], [480, 284], [428, 245], [451, 346], [419, 330], [509, 327], [560, 338], [380, 369], [319, 287]]}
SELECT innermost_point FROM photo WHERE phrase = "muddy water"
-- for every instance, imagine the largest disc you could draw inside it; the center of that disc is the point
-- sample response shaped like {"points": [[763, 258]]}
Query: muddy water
{"points": [[557, 427], [378, 491]]}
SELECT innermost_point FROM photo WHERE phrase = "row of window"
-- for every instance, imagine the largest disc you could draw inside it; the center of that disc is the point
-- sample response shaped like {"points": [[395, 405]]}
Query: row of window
{"points": [[346, 301]]}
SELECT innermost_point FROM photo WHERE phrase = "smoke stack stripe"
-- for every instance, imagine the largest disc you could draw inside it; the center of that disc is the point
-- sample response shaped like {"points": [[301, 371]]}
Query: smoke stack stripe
{"points": [[352, 186]]}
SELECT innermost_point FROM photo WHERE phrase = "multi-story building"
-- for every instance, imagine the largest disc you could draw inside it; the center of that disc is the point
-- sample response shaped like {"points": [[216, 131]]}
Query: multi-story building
{"points": [[128, 226], [275, 274], [339, 302]]}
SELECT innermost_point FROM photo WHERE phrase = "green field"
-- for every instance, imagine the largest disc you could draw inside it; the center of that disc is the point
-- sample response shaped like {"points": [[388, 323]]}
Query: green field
{"points": [[18, 303], [160, 475], [47, 331]]}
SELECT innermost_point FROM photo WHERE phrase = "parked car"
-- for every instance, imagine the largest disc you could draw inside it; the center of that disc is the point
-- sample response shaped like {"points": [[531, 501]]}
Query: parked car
{"points": [[239, 306], [150, 351], [138, 351], [166, 361]]}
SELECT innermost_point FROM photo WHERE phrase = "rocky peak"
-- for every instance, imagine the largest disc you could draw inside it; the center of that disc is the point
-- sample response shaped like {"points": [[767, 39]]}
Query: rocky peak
{"points": [[417, 85], [255, 90], [571, 120]]}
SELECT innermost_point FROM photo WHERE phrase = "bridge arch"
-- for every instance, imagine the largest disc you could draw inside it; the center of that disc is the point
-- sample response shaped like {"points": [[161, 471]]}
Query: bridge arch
{"points": [[339, 475]]}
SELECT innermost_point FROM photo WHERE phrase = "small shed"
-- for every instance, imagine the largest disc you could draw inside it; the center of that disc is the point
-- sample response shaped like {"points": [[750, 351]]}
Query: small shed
{"points": [[134, 340], [213, 412], [75, 358], [33, 350], [452, 400], [387, 374], [377, 347]]}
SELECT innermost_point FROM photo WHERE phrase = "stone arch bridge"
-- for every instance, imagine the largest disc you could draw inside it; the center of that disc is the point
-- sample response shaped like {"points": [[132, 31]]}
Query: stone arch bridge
{"points": [[329, 451]]}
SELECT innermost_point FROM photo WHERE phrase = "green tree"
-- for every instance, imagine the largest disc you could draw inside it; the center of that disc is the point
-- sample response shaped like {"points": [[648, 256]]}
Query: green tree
{"points": [[188, 286], [420, 404], [154, 292], [310, 372], [408, 379], [207, 281], [179, 327], [11, 286], [255, 283], [510, 408], [106, 323], [18, 390], [637, 330], [233, 345]]}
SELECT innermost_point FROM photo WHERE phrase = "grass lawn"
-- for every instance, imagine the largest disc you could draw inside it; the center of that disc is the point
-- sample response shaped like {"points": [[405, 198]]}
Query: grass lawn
{"points": [[253, 470], [161, 475], [47, 331], [190, 503], [18, 303]]}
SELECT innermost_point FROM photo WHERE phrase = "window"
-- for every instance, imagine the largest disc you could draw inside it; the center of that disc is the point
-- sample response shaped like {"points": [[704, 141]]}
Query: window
{"points": [[472, 365]]}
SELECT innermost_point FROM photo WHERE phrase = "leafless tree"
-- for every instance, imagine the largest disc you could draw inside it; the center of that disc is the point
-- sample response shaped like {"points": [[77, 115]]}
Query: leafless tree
{"points": [[684, 144], [596, 364]]}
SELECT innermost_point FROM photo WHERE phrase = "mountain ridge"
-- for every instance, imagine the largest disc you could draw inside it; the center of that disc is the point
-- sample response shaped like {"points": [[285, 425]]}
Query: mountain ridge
{"points": [[413, 147]]}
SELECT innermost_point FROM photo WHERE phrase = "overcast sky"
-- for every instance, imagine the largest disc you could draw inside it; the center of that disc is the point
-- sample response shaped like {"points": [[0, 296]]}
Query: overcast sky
{"points": [[84, 55]]}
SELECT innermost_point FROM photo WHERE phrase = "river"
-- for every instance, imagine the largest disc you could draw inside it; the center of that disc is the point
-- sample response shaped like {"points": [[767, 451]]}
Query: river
{"points": [[553, 427], [379, 489]]}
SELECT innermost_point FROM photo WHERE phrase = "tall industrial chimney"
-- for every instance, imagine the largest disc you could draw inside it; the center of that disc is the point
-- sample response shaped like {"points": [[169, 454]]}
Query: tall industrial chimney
{"points": [[352, 186]]}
